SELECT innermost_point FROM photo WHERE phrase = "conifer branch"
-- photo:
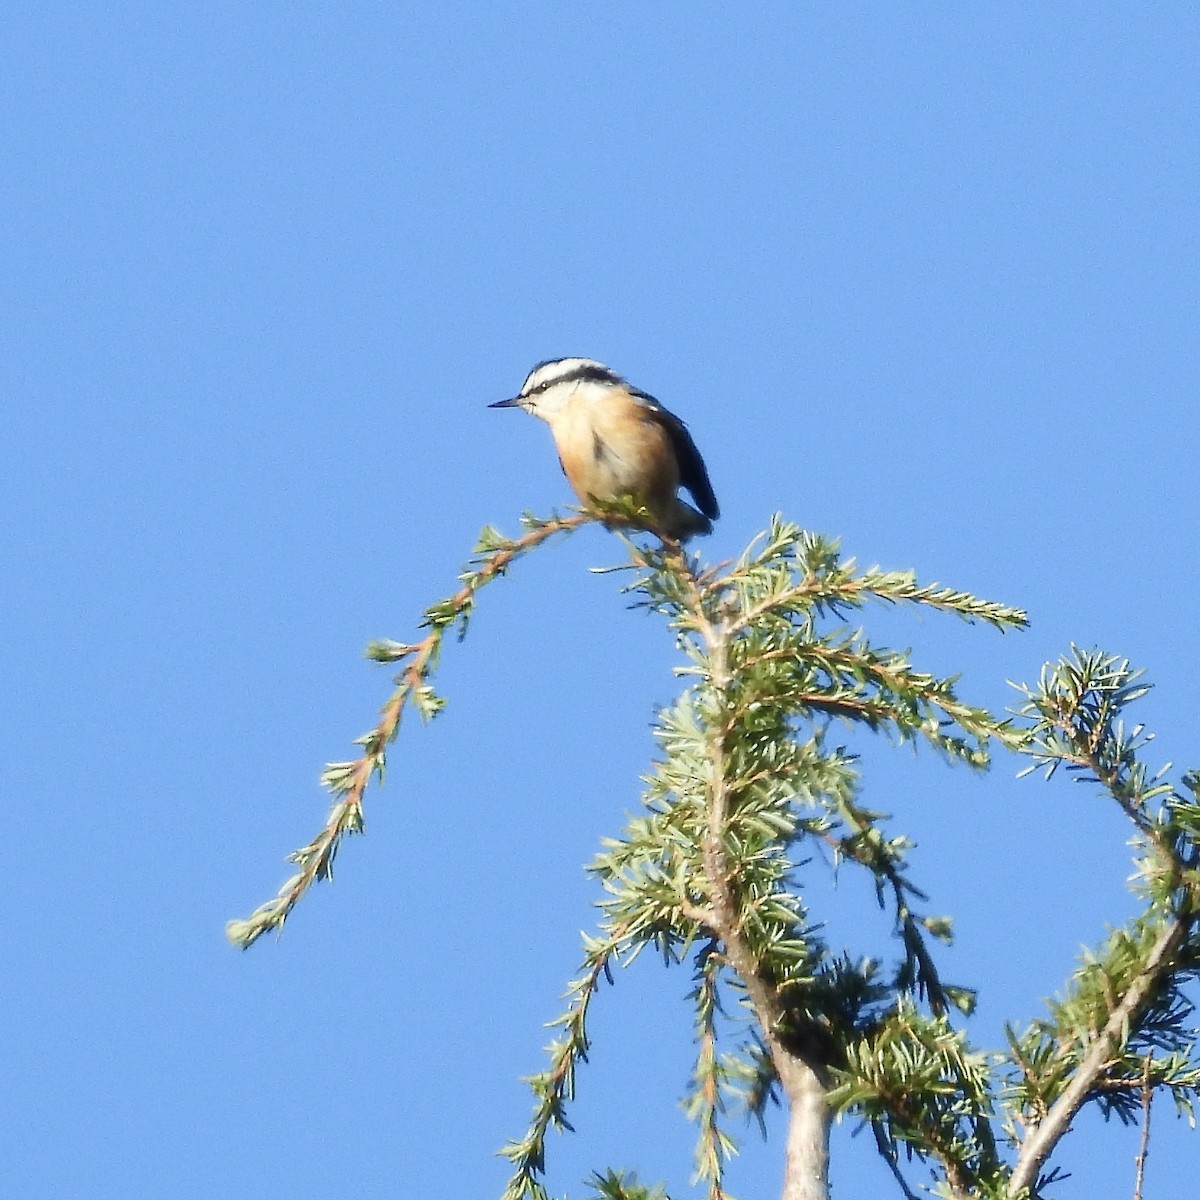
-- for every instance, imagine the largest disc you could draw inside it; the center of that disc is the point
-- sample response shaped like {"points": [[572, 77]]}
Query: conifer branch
{"points": [[705, 1103], [828, 582], [554, 1088], [618, 1185], [348, 781], [1046, 1135], [1144, 1141], [803, 1078], [1130, 994], [759, 661]]}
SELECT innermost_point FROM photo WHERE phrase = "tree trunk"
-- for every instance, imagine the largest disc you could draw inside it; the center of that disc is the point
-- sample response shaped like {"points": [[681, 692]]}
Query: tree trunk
{"points": [[807, 1171]]}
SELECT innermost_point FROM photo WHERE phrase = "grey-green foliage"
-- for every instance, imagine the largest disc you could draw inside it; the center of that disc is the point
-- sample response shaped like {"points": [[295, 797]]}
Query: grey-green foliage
{"points": [[1124, 1026], [618, 1185], [773, 670], [751, 780]]}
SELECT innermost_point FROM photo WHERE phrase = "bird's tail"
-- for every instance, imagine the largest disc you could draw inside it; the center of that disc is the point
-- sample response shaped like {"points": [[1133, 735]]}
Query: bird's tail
{"points": [[684, 522]]}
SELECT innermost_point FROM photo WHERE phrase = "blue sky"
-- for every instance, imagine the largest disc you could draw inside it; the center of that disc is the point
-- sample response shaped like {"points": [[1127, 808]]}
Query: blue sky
{"points": [[920, 277]]}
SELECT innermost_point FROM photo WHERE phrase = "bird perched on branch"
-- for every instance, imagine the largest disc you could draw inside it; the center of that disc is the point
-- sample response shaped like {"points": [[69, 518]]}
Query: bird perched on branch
{"points": [[614, 440]]}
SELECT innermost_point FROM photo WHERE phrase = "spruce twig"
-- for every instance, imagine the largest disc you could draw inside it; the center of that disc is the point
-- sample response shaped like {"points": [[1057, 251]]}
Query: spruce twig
{"points": [[348, 781]]}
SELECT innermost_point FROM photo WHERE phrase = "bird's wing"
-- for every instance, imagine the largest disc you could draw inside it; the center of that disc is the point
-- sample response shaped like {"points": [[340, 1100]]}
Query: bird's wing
{"points": [[693, 474]]}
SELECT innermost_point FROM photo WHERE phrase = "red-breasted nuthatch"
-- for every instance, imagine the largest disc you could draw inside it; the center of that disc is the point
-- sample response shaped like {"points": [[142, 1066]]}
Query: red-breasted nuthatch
{"points": [[614, 440]]}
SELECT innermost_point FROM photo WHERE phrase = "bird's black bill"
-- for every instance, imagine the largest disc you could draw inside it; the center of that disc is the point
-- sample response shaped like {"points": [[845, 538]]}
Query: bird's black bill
{"points": [[506, 403]]}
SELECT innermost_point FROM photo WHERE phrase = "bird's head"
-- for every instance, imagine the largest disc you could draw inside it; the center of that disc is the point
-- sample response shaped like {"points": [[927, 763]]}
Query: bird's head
{"points": [[550, 384]]}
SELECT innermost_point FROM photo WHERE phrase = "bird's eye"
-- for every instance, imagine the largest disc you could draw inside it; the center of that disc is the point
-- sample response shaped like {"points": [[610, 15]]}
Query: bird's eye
{"points": [[541, 387]]}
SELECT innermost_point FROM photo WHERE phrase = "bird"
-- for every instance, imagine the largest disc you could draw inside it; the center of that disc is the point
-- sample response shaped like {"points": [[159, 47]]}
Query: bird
{"points": [[614, 440]]}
